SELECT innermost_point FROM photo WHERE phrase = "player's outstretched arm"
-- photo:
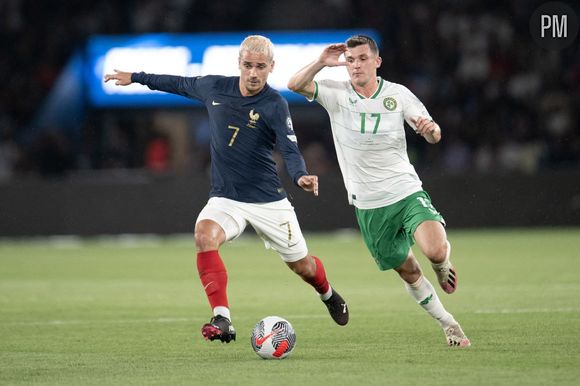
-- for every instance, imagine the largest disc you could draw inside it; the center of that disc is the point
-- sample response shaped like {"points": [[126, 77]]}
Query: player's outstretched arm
{"points": [[309, 183], [122, 78], [303, 81]]}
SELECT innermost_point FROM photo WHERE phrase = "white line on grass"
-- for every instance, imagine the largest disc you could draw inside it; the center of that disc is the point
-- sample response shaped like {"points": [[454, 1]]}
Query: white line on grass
{"points": [[136, 321], [526, 310], [246, 318], [88, 321]]}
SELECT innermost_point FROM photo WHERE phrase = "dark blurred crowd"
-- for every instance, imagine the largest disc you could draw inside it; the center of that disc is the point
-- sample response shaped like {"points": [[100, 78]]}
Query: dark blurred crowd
{"points": [[504, 104]]}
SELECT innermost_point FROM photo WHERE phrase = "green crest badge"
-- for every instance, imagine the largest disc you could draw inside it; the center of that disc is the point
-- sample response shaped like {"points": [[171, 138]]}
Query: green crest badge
{"points": [[390, 103]]}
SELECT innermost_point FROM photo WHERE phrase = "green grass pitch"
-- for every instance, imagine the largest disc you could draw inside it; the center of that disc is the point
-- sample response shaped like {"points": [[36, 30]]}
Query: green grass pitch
{"points": [[127, 311]]}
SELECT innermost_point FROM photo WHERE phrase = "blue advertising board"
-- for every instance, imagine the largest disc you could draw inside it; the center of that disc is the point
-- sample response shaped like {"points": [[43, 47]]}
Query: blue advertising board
{"points": [[194, 55]]}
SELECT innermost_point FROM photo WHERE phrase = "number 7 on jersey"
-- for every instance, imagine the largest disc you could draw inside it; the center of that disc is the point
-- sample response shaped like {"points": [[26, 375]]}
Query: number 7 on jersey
{"points": [[234, 135]]}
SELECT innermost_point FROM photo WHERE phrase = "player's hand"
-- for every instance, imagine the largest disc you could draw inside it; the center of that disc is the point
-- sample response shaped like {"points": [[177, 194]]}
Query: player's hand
{"points": [[309, 184], [427, 129], [424, 126], [331, 54], [122, 78]]}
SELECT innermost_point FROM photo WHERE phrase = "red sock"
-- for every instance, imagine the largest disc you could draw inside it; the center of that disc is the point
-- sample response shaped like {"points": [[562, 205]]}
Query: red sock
{"points": [[214, 277], [319, 281]]}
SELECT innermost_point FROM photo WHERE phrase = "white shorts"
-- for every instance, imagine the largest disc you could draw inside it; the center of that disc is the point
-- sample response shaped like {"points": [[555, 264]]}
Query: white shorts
{"points": [[275, 222]]}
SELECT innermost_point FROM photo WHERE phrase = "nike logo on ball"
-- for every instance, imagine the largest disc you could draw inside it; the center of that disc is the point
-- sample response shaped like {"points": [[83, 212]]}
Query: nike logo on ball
{"points": [[260, 341]]}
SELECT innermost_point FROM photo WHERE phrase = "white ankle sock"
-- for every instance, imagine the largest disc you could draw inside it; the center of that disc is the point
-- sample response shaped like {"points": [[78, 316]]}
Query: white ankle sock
{"points": [[424, 293], [223, 311], [327, 294]]}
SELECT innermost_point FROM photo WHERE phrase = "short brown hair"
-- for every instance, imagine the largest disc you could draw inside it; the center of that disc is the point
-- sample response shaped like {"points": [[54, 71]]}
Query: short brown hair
{"points": [[359, 40]]}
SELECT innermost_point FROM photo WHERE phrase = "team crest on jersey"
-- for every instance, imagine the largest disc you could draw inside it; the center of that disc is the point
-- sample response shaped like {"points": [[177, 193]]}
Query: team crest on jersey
{"points": [[253, 119], [390, 103]]}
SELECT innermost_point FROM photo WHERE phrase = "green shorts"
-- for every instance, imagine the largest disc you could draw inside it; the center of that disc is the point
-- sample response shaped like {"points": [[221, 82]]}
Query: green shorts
{"points": [[388, 231]]}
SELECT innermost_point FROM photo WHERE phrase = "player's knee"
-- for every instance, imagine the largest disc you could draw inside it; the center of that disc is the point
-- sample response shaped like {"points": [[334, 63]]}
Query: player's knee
{"points": [[205, 241], [208, 236]]}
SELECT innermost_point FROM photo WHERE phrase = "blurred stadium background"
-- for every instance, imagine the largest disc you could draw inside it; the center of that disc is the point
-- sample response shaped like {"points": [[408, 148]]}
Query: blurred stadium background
{"points": [[508, 109], [125, 310]]}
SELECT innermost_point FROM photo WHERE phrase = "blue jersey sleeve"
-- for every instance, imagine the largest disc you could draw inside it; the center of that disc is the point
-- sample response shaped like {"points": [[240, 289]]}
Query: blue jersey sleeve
{"points": [[192, 87], [287, 143]]}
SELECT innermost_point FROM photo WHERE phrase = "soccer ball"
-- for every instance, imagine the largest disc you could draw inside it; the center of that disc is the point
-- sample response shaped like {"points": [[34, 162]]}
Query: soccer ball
{"points": [[273, 338]]}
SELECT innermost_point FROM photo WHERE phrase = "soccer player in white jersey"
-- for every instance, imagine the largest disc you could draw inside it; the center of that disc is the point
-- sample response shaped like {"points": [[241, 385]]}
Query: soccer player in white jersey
{"points": [[367, 116]]}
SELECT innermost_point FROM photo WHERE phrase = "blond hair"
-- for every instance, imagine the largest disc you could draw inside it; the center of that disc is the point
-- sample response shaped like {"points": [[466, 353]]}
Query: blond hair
{"points": [[258, 44]]}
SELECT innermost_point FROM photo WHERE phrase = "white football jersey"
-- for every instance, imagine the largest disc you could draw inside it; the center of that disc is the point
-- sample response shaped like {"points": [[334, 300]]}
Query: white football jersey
{"points": [[370, 140]]}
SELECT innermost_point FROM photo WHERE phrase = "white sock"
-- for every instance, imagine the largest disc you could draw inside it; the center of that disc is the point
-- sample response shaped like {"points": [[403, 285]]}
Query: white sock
{"points": [[424, 293], [223, 311], [327, 294]]}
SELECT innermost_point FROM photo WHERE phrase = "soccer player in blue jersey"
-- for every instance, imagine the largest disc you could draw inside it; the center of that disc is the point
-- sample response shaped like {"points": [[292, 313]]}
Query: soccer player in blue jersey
{"points": [[248, 119]]}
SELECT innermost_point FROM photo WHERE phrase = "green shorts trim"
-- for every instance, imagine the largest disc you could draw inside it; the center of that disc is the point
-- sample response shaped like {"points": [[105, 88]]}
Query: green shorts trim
{"points": [[388, 231]]}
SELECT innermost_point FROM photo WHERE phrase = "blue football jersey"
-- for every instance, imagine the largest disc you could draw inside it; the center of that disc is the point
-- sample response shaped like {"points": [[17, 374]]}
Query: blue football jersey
{"points": [[244, 132]]}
